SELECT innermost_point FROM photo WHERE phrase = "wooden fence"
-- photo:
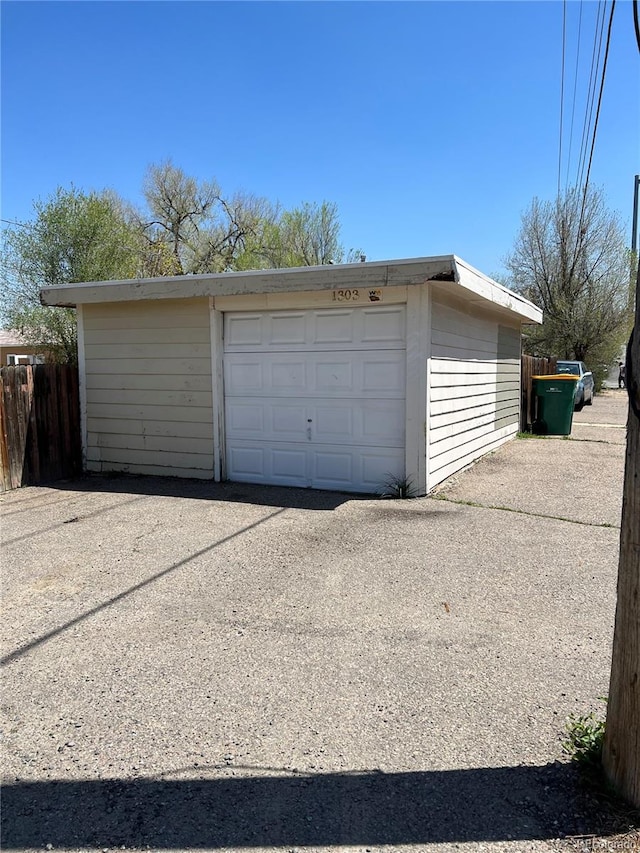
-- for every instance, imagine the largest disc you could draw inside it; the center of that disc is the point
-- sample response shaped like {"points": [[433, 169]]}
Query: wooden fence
{"points": [[40, 437], [531, 366]]}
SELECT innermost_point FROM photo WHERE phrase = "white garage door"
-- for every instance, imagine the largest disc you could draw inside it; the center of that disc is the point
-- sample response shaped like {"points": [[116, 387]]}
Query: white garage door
{"points": [[316, 398]]}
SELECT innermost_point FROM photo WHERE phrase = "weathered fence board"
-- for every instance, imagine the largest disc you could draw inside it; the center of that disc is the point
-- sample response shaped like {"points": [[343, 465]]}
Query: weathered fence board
{"points": [[39, 424], [532, 366]]}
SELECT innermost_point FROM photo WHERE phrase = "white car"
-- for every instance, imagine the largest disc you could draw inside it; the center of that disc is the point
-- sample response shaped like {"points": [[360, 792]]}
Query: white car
{"points": [[584, 386]]}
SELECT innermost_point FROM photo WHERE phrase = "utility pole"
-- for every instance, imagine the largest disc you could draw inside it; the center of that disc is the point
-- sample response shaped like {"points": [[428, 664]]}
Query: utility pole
{"points": [[621, 749], [634, 218]]}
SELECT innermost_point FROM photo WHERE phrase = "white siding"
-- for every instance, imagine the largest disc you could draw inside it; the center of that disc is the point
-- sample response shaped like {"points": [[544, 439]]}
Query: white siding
{"points": [[148, 387], [474, 395]]}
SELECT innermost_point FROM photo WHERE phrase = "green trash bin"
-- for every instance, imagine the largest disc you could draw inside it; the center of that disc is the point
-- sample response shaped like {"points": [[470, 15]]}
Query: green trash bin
{"points": [[555, 398]]}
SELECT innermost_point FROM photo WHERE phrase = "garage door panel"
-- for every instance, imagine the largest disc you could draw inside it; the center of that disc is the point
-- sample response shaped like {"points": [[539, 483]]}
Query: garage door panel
{"points": [[244, 375], [242, 330], [384, 325], [384, 374], [285, 375], [321, 329], [383, 424], [351, 374], [287, 422], [381, 467], [245, 417], [322, 466], [246, 461], [285, 466], [332, 327], [333, 423], [353, 470], [287, 330], [282, 466], [334, 375], [316, 398], [276, 423], [372, 423], [331, 466], [288, 463]]}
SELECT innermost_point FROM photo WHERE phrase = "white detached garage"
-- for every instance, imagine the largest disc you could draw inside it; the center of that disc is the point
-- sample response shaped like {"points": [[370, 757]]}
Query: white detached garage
{"points": [[336, 377]]}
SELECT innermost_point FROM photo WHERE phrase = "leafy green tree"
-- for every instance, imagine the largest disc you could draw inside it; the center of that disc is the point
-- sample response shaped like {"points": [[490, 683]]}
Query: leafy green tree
{"points": [[73, 237], [570, 259], [307, 236]]}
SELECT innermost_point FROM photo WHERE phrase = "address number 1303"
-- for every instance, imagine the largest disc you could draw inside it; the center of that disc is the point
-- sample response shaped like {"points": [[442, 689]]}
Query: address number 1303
{"points": [[345, 295]]}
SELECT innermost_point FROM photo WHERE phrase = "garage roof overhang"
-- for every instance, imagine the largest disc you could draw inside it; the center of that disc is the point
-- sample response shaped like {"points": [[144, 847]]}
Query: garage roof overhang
{"points": [[452, 272]]}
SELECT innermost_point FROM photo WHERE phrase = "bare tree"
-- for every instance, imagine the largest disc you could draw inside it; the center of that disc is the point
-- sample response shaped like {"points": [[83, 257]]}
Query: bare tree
{"points": [[234, 238], [179, 205], [621, 750], [206, 232], [570, 258]]}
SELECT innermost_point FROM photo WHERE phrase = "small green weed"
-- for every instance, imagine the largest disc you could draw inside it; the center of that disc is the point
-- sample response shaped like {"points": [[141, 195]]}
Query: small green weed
{"points": [[543, 436], [585, 735], [399, 487]]}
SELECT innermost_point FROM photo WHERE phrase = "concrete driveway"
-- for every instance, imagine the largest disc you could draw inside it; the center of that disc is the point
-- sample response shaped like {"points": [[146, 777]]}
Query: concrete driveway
{"points": [[191, 666]]}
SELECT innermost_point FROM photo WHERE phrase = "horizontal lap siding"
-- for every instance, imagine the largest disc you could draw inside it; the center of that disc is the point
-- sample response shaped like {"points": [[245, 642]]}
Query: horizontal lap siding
{"points": [[148, 387], [474, 387]]}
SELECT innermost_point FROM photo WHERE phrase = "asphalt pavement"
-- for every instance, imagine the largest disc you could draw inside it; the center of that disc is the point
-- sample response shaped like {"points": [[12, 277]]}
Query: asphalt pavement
{"points": [[197, 666]]}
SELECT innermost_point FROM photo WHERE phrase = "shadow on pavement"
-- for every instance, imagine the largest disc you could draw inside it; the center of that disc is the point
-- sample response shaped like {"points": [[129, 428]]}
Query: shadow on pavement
{"points": [[109, 602], [92, 514], [369, 808], [175, 487]]}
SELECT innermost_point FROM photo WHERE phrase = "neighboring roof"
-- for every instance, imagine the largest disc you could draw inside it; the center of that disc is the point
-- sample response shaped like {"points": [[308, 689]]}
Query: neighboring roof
{"points": [[11, 338], [453, 272]]}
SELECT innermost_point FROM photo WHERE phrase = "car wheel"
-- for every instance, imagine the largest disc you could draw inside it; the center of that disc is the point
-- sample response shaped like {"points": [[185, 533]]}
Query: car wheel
{"points": [[580, 403], [590, 400]]}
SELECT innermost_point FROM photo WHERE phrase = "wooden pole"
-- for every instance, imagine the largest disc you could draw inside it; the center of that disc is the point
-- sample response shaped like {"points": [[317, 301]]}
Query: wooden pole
{"points": [[621, 751], [634, 218]]}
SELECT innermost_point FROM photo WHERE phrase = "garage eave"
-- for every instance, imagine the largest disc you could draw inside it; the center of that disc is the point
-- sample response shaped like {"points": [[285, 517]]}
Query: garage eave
{"points": [[488, 290], [447, 269], [328, 277]]}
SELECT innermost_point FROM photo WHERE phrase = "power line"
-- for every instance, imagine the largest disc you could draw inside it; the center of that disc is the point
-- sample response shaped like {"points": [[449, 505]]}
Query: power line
{"points": [[595, 125], [591, 91], [604, 72], [575, 88], [564, 41], [636, 21]]}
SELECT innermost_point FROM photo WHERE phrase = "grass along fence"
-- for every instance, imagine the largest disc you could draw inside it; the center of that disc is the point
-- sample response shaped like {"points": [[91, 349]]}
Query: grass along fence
{"points": [[40, 438]]}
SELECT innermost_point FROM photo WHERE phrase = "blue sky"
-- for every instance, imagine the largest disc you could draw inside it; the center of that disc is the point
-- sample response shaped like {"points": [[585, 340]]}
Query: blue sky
{"points": [[432, 125]]}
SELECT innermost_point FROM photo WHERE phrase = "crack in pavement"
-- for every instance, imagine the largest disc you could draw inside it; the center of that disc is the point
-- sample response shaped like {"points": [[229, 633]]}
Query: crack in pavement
{"points": [[479, 505]]}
